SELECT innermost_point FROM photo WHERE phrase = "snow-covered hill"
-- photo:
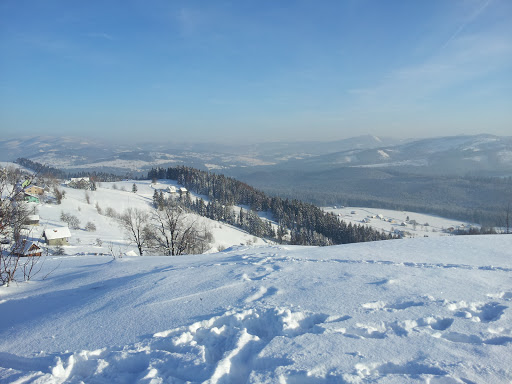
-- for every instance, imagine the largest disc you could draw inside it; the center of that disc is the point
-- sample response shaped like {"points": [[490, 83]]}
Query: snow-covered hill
{"points": [[442, 155], [405, 223], [118, 197], [429, 310]]}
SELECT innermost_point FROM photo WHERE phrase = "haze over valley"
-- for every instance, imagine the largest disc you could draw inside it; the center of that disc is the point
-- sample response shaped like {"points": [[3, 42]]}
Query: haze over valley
{"points": [[256, 192]]}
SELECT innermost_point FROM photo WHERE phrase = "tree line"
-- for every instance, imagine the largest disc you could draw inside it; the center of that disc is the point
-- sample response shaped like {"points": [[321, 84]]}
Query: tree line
{"points": [[305, 223]]}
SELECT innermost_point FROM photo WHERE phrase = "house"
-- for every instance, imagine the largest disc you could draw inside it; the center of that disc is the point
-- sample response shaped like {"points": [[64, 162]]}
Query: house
{"points": [[32, 220], [80, 183], [34, 190], [183, 191], [171, 189], [28, 248], [57, 235], [380, 216], [31, 198], [78, 180], [399, 232]]}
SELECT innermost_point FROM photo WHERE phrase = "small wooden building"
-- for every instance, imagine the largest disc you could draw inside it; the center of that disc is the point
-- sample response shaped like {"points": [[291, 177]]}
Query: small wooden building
{"points": [[32, 220], [28, 248]]}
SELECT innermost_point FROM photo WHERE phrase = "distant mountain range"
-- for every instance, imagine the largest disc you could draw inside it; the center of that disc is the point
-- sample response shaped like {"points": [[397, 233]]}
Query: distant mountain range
{"points": [[427, 175], [459, 155]]}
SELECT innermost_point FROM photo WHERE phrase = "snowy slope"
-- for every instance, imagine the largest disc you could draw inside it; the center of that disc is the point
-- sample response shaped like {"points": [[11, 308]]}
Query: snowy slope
{"points": [[428, 310], [118, 196], [391, 221]]}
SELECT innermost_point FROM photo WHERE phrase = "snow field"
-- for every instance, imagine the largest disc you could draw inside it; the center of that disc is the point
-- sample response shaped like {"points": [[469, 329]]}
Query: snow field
{"points": [[391, 220], [415, 310]]}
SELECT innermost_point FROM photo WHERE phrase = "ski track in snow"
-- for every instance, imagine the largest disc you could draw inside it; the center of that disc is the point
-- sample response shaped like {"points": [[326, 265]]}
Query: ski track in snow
{"points": [[229, 348]]}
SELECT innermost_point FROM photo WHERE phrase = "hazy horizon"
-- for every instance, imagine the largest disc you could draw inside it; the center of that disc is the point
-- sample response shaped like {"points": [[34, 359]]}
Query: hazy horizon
{"points": [[219, 143], [231, 72]]}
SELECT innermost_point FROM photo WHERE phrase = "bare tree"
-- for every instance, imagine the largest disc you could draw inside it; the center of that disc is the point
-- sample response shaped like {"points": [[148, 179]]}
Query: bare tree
{"points": [[13, 236], [59, 194], [135, 223], [174, 232]]}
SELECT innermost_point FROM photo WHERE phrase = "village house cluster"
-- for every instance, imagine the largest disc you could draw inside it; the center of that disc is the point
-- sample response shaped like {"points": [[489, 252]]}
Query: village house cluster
{"points": [[31, 245]]}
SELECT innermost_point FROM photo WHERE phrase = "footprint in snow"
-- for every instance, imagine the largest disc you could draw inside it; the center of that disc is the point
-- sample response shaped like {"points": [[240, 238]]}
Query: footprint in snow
{"points": [[262, 292], [478, 312]]}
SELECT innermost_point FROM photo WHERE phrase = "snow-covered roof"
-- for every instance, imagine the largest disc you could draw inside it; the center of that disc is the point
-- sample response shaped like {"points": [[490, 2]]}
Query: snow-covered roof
{"points": [[77, 180], [33, 217], [57, 233], [27, 245]]}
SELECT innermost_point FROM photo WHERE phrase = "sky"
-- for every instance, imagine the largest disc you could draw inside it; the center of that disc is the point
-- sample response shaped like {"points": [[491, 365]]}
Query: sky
{"points": [[238, 71]]}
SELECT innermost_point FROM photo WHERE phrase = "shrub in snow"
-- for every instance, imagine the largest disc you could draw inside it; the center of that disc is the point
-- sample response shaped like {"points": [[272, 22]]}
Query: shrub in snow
{"points": [[90, 227], [72, 221], [111, 212], [59, 250]]}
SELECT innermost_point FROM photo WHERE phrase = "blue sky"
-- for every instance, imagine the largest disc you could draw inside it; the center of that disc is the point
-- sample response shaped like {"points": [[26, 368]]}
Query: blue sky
{"points": [[232, 71]]}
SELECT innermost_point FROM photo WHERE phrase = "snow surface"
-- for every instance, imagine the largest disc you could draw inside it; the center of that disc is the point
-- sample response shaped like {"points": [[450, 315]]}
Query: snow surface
{"points": [[425, 310]]}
